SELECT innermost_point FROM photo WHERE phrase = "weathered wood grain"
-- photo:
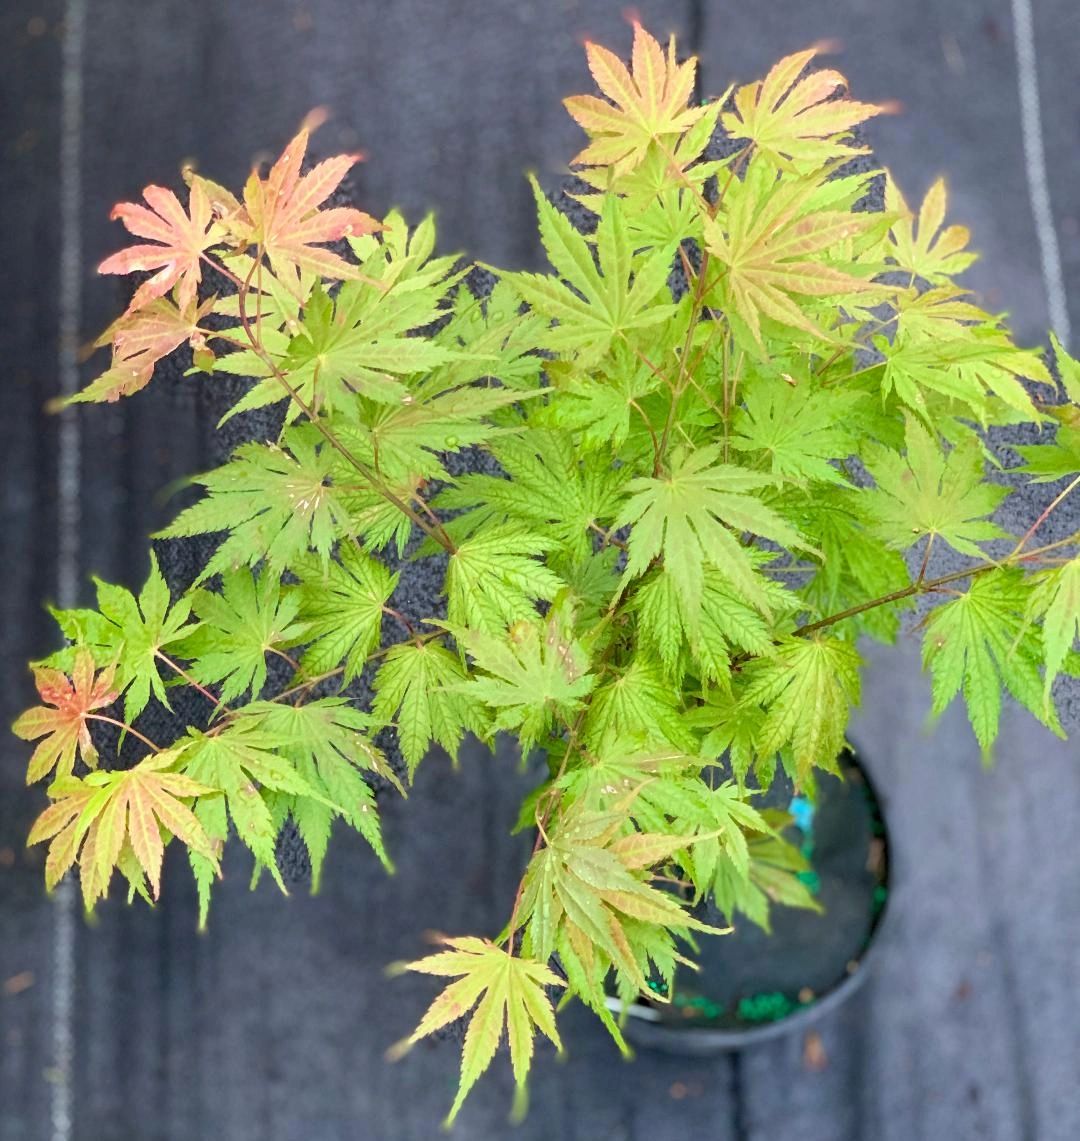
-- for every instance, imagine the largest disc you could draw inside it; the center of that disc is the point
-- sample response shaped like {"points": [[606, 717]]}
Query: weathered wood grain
{"points": [[29, 84]]}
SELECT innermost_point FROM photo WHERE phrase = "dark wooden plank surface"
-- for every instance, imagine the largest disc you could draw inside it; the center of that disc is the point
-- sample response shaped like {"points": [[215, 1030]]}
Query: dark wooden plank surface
{"points": [[29, 150], [274, 1023]]}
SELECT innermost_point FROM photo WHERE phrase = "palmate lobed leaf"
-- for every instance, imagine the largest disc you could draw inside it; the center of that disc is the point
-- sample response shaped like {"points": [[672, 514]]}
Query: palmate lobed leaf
{"points": [[179, 241], [648, 103], [801, 431], [277, 503], [599, 302], [495, 578], [795, 119], [772, 244], [331, 746], [95, 820], [981, 643], [509, 993], [62, 720], [807, 687], [586, 895], [693, 518], [341, 606], [239, 626], [532, 679], [927, 250], [243, 765], [928, 493], [418, 689], [140, 339], [281, 214]]}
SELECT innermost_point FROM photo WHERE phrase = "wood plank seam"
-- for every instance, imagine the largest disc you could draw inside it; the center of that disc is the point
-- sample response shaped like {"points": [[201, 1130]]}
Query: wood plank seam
{"points": [[1027, 80], [68, 516]]}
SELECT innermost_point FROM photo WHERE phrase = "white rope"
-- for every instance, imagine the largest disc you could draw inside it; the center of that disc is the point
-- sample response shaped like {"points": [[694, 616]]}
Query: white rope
{"points": [[1027, 77], [68, 512]]}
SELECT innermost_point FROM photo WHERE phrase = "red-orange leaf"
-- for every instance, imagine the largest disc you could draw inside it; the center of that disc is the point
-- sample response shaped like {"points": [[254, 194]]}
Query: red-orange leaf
{"points": [[139, 340], [181, 239], [647, 105], [64, 726], [283, 210], [797, 120]]}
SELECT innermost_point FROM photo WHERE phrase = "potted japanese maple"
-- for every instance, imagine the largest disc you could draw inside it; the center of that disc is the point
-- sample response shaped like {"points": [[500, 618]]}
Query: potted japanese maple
{"points": [[665, 490]]}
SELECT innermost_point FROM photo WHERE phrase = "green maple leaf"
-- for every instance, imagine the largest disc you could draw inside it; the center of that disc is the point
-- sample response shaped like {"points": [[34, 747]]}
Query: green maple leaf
{"points": [[239, 627], [932, 253], [729, 822], [329, 744], [134, 634], [495, 339], [238, 763], [354, 345], [530, 677], [930, 492], [596, 305], [982, 642], [693, 518], [800, 430], [418, 689], [341, 605], [723, 620], [1056, 600], [807, 687], [494, 579], [972, 366], [510, 995], [277, 503], [1046, 463], [550, 487], [639, 703]]}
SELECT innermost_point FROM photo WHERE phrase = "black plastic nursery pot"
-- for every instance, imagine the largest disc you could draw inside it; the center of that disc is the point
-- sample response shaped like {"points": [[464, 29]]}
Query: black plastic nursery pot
{"points": [[752, 985]]}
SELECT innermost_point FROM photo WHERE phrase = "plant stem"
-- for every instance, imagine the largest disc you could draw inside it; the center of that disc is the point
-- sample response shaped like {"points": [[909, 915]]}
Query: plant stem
{"points": [[123, 725], [928, 585], [216, 701], [436, 532], [286, 658], [1045, 515]]}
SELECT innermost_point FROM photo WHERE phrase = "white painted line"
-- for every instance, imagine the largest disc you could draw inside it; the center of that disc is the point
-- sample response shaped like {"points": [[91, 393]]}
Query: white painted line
{"points": [[68, 517], [1027, 76]]}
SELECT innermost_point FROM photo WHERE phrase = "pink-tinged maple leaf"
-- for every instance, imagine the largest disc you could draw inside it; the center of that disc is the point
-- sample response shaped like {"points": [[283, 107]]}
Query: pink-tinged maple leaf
{"points": [[286, 222], [139, 340], [64, 726], [182, 241], [799, 120], [648, 104]]}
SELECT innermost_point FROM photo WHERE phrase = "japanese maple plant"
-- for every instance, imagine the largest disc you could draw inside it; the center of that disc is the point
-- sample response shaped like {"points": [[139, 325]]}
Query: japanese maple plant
{"points": [[671, 484]]}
